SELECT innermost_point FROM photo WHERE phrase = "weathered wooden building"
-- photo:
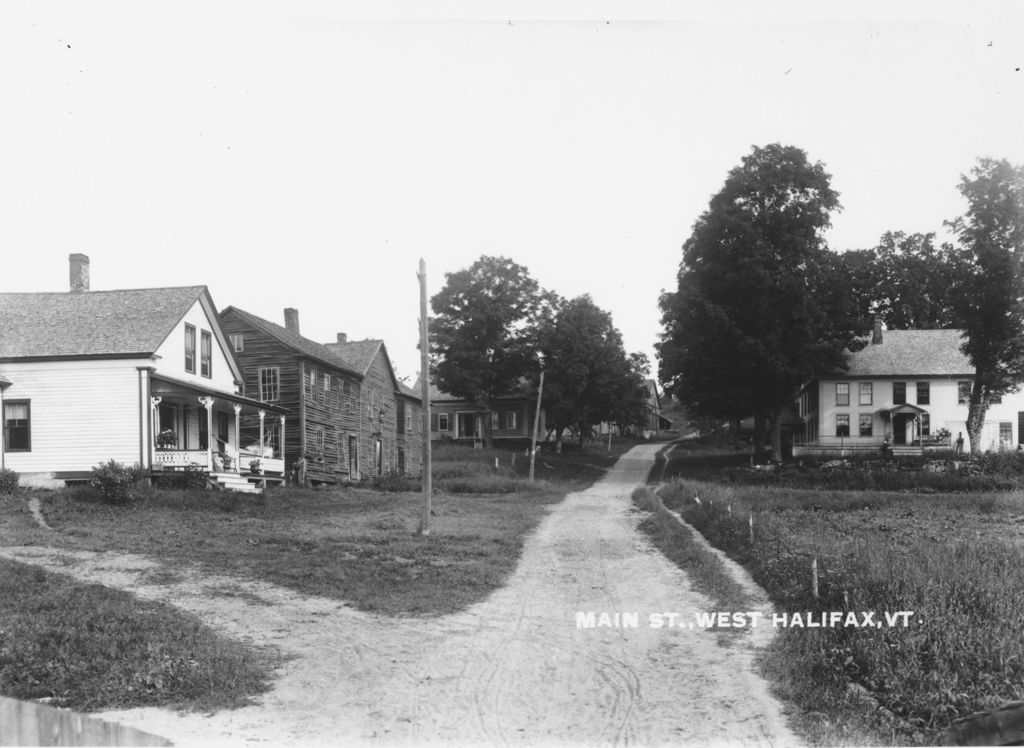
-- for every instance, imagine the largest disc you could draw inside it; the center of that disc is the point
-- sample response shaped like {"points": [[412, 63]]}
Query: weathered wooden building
{"points": [[511, 417], [390, 431], [318, 388], [348, 418]]}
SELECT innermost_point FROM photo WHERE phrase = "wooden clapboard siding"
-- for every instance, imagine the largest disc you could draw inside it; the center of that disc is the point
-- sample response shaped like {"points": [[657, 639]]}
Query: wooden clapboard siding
{"points": [[259, 350], [411, 439], [309, 408], [171, 352], [378, 388], [82, 413]]}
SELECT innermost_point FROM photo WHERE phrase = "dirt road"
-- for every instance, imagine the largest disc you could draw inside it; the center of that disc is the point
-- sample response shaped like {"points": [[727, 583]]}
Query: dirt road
{"points": [[512, 669]]}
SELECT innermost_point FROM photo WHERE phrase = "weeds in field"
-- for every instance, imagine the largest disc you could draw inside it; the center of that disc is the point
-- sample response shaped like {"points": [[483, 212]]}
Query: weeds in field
{"points": [[962, 651]]}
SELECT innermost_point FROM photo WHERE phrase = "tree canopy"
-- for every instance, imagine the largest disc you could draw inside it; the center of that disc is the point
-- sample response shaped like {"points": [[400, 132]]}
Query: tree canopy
{"points": [[758, 308], [481, 336], [588, 376], [991, 300]]}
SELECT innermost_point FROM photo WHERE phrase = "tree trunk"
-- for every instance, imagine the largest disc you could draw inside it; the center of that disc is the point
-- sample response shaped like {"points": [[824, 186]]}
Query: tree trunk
{"points": [[976, 416], [484, 424], [758, 438], [558, 439], [775, 422]]}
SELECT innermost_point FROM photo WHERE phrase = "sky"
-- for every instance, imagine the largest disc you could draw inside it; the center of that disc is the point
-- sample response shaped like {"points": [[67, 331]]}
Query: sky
{"points": [[308, 154]]}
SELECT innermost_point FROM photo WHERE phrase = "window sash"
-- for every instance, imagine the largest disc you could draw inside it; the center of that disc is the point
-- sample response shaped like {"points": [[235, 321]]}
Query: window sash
{"points": [[842, 393], [842, 424], [206, 354], [899, 393], [510, 420], [923, 393], [17, 426], [866, 393], [269, 383], [866, 425], [190, 349], [963, 393]]}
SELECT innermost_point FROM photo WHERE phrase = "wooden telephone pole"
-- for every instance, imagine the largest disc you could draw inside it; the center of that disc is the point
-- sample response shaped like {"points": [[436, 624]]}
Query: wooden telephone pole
{"points": [[425, 395]]}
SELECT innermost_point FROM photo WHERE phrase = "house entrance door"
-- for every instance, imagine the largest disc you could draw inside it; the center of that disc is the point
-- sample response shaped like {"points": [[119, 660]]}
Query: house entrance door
{"points": [[899, 428], [353, 458]]}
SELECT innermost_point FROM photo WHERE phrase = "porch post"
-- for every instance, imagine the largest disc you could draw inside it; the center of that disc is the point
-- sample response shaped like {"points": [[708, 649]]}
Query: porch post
{"points": [[284, 465], [154, 425], [263, 415], [238, 438], [207, 402], [3, 447]]}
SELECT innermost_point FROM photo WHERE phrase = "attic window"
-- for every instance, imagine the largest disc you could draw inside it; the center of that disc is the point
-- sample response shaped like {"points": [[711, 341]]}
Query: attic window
{"points": [[206, 354], [238, 342], [190, 349]]}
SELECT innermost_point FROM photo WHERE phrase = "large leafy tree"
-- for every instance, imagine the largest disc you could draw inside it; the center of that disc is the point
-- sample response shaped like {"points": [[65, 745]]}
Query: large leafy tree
{"points": [[906, 280], [482, 335], [758, 308], [588, 376], [991, 304]]}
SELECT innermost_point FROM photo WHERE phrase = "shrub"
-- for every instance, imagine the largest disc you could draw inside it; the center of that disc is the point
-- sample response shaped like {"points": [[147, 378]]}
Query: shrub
{"points": [[187, 479], [395, 482], [8, 480], [115, 481]]}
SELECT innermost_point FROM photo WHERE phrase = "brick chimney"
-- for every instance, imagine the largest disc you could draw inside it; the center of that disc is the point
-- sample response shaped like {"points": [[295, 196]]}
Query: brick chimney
{"points": [[342, 337], [876, 336], [79, 272], [291, 320]]}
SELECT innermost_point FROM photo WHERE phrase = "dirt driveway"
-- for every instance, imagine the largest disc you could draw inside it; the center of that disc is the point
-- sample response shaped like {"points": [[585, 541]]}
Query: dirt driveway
{"points": [[512, 669]]}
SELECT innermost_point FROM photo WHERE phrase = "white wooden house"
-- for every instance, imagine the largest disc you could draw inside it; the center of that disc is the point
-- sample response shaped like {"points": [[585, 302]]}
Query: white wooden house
{"points": [[908, 389], [90, 376]]}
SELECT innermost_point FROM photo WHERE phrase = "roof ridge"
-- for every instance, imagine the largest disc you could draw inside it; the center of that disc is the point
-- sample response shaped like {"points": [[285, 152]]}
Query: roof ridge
{"points": [[283, 333]]}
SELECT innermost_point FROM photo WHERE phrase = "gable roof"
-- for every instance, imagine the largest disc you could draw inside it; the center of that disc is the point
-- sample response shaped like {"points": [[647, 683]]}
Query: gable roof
{"points": [[408, 391], [359, 353], [362, 353], [296, 342], [122, 323], [911, 353]]}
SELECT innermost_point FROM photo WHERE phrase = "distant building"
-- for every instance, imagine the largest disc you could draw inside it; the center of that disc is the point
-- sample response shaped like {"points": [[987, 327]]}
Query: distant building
{"points": [[906, 388]]}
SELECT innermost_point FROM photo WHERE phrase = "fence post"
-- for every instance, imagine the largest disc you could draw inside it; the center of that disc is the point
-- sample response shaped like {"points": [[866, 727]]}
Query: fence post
{"points": [[751, 529], [814, 577]]}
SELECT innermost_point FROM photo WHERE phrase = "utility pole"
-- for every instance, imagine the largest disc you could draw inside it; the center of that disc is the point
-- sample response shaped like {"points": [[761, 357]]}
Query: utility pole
{"points": [[536, 417], [425, 395]]}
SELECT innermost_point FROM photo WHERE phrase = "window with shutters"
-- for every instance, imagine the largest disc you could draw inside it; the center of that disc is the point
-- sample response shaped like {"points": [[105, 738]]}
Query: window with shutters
{"points": [[442, 422]]}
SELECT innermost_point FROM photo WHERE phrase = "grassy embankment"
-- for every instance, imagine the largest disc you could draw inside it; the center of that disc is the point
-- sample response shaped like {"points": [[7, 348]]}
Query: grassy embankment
{"points": [[955, 559], [351, 543]]}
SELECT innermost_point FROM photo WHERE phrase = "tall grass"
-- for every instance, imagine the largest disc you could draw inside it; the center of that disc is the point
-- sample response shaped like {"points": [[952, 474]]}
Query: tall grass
{"points": [[955, 561], [88, 647]]}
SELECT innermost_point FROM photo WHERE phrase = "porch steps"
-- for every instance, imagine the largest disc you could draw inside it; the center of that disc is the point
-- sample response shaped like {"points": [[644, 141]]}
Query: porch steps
{"points": [[234, 482], [906, 451]]}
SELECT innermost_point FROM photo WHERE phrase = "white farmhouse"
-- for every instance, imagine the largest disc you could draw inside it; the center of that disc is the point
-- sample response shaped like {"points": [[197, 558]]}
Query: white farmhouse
{"points": [[908, 389], [141, 376]]}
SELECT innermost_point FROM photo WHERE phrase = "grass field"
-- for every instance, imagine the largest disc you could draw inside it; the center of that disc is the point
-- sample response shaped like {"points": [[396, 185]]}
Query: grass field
{"points": [[88, 647], [955, 560], [94, 648]]}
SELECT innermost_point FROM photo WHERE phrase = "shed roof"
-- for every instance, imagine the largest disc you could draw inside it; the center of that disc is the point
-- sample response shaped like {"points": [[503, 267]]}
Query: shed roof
{"points": [[91, 323], [296, 342], [911, 353]]}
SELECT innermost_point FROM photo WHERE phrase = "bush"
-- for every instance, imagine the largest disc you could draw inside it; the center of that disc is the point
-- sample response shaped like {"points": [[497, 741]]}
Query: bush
{"points": [[395, 482], [8, 480], [183, 480], [115, 481]]}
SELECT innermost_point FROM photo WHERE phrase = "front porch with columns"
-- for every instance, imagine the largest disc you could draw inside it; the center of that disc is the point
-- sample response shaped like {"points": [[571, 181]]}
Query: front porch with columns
{"points": [[195, 429]]}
